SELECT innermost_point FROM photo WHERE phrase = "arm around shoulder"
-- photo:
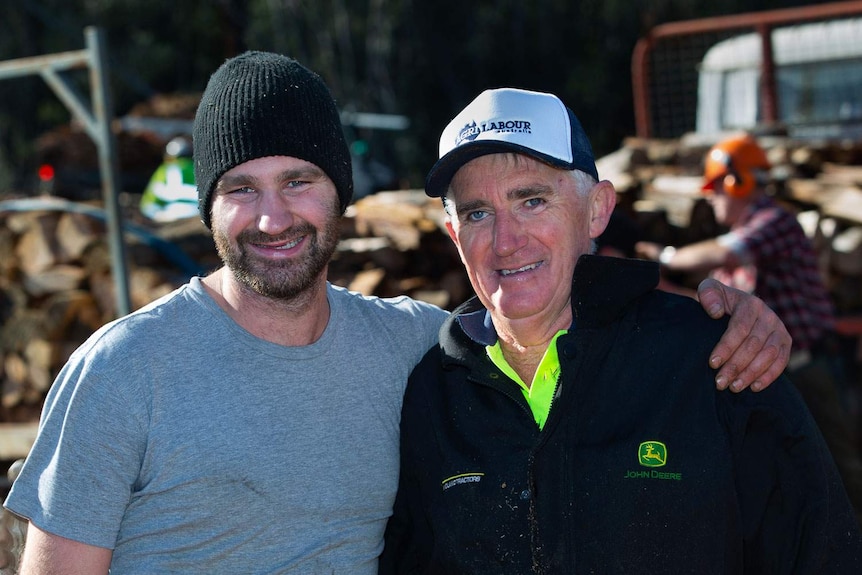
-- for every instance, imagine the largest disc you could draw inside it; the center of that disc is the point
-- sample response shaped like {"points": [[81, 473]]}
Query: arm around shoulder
{"points": [[49, 554]]}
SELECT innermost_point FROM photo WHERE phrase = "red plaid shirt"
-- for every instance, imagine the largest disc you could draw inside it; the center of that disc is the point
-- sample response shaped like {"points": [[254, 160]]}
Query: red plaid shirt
{"points": [[780, 267]]}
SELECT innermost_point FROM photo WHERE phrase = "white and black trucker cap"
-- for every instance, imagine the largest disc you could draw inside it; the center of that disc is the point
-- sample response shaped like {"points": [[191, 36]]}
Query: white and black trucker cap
{"points": [[511, 120]]}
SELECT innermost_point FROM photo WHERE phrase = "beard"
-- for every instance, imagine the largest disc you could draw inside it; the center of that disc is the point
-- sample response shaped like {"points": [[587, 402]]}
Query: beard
{"points": [[281, 280]]}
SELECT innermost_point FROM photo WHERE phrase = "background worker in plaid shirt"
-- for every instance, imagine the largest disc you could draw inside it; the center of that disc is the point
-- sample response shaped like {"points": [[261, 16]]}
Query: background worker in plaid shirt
{"points": [[767, 253]]}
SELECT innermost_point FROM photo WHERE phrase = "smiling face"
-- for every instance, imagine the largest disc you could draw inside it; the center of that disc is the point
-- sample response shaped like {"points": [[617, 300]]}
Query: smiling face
{"points": [[520, 226], [275, 224]]}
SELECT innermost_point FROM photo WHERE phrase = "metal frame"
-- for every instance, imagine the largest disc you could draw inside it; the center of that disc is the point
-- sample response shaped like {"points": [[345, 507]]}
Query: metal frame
{"points": [[761, 22], [96, 118]]}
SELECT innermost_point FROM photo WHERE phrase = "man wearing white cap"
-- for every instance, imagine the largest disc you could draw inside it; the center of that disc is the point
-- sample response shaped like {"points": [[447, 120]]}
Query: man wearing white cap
{"points": [[566, 422]]}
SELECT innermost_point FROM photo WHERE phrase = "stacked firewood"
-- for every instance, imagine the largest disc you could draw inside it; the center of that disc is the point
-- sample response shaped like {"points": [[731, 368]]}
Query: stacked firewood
{"points": [[658, 184], [57, 287], [56, 283]]}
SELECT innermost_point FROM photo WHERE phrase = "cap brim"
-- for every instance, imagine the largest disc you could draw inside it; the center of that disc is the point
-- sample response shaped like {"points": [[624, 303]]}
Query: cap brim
{"points": [[442, 172]]}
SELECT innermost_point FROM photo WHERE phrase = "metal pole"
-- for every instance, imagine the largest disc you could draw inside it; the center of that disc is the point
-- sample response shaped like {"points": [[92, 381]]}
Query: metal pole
{"points": [[103, 112], [768, 90], [641, 88]]}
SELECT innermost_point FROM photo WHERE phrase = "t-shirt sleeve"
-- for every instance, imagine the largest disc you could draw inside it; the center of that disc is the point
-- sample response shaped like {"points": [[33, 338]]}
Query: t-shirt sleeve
{"points": [[80, 473]]}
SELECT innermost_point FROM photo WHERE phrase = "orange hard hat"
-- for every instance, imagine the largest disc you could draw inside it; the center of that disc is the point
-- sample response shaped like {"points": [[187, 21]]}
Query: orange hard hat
{"points": [[734, 160]]}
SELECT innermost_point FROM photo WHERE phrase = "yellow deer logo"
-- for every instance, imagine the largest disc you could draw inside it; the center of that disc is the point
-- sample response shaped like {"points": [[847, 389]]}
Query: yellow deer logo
{"points": [[652, 454]]}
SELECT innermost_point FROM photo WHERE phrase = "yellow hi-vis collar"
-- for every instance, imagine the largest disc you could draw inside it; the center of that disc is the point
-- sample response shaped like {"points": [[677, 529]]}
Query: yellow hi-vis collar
{"points": [[540, 392]]}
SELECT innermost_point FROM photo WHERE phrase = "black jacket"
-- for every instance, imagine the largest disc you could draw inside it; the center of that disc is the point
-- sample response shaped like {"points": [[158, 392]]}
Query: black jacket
{"points": [[642, 466]]}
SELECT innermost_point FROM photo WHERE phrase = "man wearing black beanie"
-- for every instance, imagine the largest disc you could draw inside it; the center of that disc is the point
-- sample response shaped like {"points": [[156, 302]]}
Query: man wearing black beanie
{"points": [[248, 421]]}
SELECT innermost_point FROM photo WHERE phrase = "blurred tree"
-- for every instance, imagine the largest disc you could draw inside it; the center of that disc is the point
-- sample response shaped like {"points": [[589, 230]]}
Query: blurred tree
{"points": [[421, 59]]}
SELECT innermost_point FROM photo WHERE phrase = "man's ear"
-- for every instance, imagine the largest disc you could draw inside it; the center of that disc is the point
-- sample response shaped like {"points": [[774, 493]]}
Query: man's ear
{"points": [[451, 230], [603, 198]]}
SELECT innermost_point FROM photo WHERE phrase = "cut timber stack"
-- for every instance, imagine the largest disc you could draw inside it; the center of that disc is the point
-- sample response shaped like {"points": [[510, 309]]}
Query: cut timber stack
{"points": [[395, 243], [659, 187], [56, 285], [56, 288]]}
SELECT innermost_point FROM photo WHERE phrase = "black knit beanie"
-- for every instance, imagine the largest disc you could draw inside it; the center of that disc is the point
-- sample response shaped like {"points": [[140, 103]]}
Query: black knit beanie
{"points": [[262, 104]]}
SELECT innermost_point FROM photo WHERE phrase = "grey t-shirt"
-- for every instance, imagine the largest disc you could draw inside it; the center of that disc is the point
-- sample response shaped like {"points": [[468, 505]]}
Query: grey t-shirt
{"points": [[188, 445]]}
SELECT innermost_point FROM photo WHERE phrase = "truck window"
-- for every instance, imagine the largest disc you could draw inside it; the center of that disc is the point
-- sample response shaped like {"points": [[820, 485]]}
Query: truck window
{"points": [[821, 99], [818, 71]]}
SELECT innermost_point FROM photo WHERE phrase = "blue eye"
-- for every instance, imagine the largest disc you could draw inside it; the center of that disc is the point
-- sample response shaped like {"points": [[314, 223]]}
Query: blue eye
{"points": [[476, 216], [534, 202]]}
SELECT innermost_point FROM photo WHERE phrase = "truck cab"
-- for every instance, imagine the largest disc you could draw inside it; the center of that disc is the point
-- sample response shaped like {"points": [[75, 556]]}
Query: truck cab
{"points": [[818, 73]]}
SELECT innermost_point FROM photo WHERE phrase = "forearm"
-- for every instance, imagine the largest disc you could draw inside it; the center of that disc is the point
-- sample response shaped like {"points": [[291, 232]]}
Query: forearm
{"points": [[700, 256], [49, 554]]}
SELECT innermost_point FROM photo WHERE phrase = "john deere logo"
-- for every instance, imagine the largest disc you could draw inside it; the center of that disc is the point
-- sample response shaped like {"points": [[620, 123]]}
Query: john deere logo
{"points": [[652, 454]]}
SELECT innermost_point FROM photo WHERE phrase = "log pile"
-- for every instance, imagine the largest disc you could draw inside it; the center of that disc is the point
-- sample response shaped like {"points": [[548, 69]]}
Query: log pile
{"points": [[56, 285], [658, 184]]}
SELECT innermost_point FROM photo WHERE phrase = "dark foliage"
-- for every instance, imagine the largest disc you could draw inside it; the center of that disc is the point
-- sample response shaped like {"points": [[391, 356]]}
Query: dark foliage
{"points": [[420, 59]]}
